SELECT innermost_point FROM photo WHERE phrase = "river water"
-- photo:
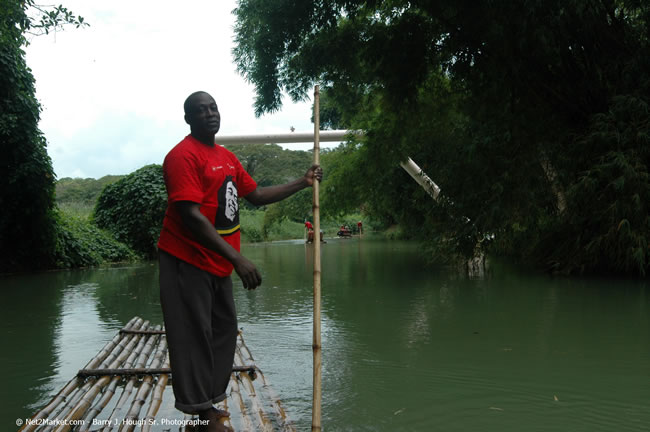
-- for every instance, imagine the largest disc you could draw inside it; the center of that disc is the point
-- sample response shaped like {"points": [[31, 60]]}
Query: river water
{"points": [[406, 347]]}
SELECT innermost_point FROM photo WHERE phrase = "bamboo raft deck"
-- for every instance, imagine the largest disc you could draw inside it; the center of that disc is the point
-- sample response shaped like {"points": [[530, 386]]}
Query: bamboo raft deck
{"points": [[134, 367]]}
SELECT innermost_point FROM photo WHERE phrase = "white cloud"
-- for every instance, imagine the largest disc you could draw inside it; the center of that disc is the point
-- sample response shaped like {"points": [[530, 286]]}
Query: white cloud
{"points": [[112, 93]]}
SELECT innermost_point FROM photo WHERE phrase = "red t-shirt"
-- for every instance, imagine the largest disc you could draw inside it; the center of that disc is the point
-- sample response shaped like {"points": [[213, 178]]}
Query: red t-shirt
{"points": [[214, 178], [308, 225]]}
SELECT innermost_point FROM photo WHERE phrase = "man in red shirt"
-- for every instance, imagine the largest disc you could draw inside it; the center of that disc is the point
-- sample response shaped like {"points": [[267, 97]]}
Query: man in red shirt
{"points": [[199, 247]]}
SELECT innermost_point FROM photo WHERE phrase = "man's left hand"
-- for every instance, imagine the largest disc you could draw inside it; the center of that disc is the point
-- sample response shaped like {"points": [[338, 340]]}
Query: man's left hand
{"points": [[315, 172]]}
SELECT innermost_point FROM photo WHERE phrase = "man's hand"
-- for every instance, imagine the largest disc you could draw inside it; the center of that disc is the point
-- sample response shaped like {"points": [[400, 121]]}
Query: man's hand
{"points": [[315, 172], [250, 276], [270, 194]]}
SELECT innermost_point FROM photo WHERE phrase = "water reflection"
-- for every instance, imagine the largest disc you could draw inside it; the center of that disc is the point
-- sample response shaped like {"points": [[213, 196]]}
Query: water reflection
{"points": [[405, 347]]}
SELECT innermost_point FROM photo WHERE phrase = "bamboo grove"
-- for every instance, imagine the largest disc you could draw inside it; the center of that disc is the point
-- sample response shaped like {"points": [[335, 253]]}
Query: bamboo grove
{"points": [[531, 115]]}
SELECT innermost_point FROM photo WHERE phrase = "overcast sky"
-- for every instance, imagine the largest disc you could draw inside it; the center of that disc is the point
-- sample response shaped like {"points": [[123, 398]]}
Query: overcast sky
{"points": [[112, 93]]}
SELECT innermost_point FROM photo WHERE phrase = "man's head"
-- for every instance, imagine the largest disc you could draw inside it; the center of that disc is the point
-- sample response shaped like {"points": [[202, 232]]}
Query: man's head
{"points": [[202, 114]]}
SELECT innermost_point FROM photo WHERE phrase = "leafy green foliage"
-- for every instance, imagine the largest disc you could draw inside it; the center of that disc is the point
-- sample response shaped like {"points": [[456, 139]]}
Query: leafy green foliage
{"points": [[45, 19], [606, 226], [27, 231], [270, 164], [81, 244], [280, 228], [495, 101], [251, 225], [133, 209], [342, 190], [27, 222]]}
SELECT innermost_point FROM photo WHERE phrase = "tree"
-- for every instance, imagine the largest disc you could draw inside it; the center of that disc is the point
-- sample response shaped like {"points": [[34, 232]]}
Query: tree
{"points": [[133, 209], [495, 100], [28, 218], [270, 164]]}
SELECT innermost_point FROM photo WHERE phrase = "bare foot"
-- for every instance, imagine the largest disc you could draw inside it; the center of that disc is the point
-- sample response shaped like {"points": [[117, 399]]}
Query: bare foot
{"points": [[213, 415], [220, 413]]}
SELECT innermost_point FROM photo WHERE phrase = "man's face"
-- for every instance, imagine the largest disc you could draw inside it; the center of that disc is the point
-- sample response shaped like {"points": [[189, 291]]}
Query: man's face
{"points": [[203, 114]]}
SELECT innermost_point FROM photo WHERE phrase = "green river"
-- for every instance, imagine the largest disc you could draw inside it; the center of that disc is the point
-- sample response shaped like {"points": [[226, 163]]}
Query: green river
{"points": [[406, 347]]}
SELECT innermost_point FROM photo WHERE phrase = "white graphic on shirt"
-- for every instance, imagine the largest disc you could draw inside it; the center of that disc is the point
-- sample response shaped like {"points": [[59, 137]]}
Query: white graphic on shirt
{"points": [[232, 206], [227, 218]]}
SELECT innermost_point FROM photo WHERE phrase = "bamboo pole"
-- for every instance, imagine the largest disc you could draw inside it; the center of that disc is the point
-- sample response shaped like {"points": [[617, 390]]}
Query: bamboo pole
{"points": [[119, 406], [80, 408], [128, 388], [110, 358], [235, 392], [421, 178], [281, 415], [287, 138], [145, 332], [145, 371], [74, 384], [156, 398], [110, 389], [256, 406], [316, 401], [99, 406], [145, 387]]}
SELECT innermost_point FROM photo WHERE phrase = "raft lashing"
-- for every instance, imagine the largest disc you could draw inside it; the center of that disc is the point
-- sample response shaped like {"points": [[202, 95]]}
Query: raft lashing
{"points": [[126, 387]]}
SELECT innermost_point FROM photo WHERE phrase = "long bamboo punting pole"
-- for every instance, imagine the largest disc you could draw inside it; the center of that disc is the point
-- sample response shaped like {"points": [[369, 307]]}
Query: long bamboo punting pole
{"points": [[316, 402]]}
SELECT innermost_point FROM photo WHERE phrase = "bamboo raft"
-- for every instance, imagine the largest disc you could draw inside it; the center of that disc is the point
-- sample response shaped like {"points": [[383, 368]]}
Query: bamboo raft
{"points": [[134, 367]]}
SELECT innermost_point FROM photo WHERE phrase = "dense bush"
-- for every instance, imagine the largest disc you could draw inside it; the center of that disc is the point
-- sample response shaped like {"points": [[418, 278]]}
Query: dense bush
{"points": [[133, 209], [82, 244], [606, 225]]}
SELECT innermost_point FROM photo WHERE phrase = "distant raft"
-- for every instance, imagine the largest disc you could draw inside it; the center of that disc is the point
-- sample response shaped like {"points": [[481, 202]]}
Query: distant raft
{"points": [[134, 367]]}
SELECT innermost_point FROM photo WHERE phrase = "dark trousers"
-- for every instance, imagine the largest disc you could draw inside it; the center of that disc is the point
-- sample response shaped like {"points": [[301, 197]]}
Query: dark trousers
{"points": [[201, 326]]}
